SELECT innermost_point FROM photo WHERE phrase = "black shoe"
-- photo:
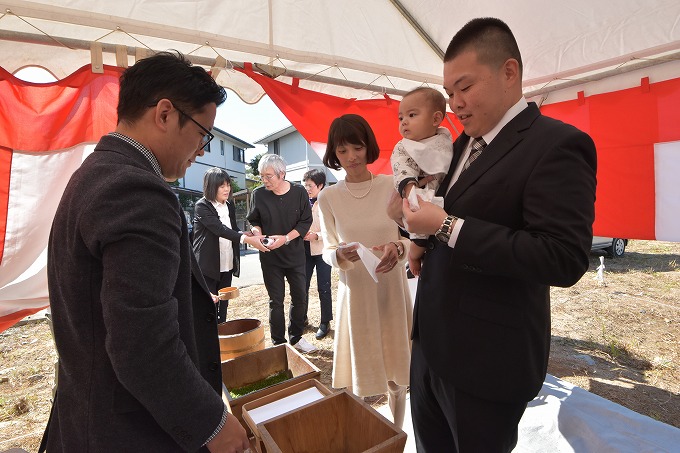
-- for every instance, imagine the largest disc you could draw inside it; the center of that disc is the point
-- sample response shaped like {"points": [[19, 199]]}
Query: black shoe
{"points": [[324, 327]]}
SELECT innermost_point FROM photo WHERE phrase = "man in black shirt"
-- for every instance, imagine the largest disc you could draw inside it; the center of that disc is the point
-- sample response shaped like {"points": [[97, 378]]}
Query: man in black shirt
{"points": [[281, 211]]}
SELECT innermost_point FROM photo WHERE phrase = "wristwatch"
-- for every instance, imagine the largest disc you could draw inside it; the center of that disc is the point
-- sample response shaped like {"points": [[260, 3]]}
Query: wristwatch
{"points": [[444, 231], [287, 241]]}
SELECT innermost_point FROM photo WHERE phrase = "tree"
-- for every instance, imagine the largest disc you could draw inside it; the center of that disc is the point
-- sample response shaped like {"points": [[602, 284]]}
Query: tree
{"points": [[254, 163]]}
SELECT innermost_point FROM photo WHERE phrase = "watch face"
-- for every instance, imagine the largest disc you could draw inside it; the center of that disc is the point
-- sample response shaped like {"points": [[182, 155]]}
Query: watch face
{"points": [[443, 237]]}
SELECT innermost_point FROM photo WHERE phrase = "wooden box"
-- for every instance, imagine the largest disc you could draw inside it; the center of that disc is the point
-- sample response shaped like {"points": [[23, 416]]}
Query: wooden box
{"points": [[278, 403], [259, 365], [338, 423]]}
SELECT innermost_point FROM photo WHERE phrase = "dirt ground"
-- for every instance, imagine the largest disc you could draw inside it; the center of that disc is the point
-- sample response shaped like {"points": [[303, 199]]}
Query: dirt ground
{"points": [[619, 339]]}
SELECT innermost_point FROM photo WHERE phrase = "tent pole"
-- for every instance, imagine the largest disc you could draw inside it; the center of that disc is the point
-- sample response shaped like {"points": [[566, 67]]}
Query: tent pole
{"points": [[79, 44], [416, 26], [640, 64]]}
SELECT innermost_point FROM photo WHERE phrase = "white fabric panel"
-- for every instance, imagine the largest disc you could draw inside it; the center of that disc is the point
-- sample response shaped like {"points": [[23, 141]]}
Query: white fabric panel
{"points": [[37, 181], [565, 418], [667, 188], [365, 38]]}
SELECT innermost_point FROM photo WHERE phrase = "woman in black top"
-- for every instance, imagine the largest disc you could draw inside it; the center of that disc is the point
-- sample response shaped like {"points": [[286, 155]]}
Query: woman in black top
{"points": [[216, 235]]}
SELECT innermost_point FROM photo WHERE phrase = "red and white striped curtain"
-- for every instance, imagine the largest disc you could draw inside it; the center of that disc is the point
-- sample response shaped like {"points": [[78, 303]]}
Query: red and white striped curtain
{"points": [[47, 130]]}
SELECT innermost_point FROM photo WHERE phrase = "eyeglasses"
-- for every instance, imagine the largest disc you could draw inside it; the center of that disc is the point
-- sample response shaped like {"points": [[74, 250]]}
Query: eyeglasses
{"points": [[207, 137], [268, 177]]}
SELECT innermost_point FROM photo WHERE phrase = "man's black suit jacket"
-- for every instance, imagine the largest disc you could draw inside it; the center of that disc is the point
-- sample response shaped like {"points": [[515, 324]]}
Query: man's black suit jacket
{"points": [[208, 229], [482, 311], [134, 323]]}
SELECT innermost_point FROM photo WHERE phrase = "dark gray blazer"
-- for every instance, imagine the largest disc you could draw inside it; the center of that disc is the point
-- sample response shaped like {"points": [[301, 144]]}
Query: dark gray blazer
{"points": [[208, 229], [482, 310], [134, 323]]}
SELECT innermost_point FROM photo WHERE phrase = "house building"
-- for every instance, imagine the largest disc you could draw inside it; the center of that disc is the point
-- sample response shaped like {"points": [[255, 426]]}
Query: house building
{"points": [[224, 151], [298, 154]]}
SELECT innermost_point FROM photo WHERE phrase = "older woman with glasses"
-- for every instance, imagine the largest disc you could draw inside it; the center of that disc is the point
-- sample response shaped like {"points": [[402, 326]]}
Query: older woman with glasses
{"points": [[281, 211], [217, 237]]}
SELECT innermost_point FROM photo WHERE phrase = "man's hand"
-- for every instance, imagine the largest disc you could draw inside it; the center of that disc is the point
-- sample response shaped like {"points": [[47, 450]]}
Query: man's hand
{"points": [[394, 208], [232, 438], [426, 220], [279, 241]]}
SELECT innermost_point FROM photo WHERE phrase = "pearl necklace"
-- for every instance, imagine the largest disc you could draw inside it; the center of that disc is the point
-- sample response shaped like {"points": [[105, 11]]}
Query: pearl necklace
{"points": [[360, 196]]}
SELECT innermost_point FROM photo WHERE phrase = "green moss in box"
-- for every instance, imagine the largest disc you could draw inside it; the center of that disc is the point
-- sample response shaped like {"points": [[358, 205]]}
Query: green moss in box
{"points": [[259, 385]]}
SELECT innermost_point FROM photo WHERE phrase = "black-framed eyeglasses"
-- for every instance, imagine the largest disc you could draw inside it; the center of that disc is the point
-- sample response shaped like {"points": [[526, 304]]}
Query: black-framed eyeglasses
{"points": [[207, 138]]}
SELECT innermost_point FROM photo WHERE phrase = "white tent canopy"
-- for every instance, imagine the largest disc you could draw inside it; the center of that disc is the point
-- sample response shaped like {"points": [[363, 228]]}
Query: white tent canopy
{"points": [[340, 46]]}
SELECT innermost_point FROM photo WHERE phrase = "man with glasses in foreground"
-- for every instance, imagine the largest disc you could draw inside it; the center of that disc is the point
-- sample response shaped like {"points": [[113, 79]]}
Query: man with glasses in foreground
{"points": [[134, 323]]}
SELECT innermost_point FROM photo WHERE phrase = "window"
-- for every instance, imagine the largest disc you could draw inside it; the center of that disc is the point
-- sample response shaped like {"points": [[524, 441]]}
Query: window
{"points": [[222, 147], [239, 154], [275, 147]]}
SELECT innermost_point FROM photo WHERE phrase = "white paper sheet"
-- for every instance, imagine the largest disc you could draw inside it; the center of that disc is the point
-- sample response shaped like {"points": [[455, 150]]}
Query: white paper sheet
{"points": [[367, 257], [287, 404]]}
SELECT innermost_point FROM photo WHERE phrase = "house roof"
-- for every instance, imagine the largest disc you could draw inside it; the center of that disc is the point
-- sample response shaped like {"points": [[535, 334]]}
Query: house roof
{"points": [[236, 139], [274, 135]]}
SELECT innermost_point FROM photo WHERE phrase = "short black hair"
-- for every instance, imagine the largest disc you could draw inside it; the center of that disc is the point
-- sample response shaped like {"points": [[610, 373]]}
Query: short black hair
{"points": [[317, 176], [166, 75], [212, 180], [490, 38], [350, 129], [434, 97]]}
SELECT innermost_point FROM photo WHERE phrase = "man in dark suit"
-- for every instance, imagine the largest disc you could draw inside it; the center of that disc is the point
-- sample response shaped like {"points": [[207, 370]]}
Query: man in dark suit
{"points": [[517, 218], [134, 322]]}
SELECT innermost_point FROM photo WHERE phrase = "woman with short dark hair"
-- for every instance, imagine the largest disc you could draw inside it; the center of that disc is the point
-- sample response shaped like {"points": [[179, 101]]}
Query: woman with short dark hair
{"points": [[372, 347], [216, 235], [314, 181]]}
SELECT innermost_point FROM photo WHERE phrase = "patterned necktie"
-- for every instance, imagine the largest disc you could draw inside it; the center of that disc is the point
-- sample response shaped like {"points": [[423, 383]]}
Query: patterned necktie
{"points": [[478, 145]]}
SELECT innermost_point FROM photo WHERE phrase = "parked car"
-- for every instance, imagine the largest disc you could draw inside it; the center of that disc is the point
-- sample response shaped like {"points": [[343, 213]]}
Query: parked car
{"points": [[615, 247]]}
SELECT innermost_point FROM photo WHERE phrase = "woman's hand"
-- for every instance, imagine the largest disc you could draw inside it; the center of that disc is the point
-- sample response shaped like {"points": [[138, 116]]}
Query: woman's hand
{"points": [[311, 236], [394, 205], [389, 259], [347, 253], [256, 242]]}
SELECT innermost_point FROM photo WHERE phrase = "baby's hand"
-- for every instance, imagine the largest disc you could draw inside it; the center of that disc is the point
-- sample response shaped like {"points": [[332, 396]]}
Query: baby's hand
{"points": [[414, 266]]}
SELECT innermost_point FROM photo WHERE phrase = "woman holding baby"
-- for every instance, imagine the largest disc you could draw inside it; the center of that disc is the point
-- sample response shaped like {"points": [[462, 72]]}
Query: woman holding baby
{"points": [[372, 348]]}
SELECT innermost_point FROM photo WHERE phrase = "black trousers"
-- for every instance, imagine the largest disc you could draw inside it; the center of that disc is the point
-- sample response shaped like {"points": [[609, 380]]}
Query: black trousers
{"points": [[323, 284], [273, 277], [214, 286], [448, 420]]}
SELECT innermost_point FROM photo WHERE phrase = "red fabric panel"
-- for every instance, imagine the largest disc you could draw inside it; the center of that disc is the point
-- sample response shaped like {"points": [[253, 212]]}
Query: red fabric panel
{"points": [[46, 117], [5, 165], [311, 113], [625, 125], [8, 321]]}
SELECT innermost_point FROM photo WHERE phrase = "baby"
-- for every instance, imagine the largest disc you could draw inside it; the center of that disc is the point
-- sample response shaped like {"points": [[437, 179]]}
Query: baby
{"points": [[422, 157]]}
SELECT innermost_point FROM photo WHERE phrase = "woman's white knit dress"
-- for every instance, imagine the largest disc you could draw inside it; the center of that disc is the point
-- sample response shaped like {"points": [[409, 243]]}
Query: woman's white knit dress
{"points": [[373, 320]]}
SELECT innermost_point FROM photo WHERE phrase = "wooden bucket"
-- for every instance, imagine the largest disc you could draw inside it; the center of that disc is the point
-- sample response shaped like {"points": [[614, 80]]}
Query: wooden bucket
{"points": [[230, 292], [239, 337]]}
